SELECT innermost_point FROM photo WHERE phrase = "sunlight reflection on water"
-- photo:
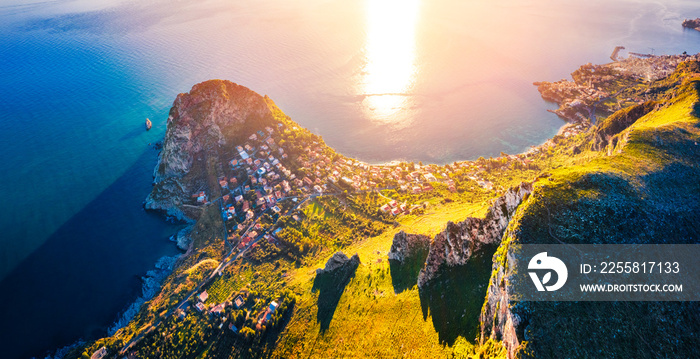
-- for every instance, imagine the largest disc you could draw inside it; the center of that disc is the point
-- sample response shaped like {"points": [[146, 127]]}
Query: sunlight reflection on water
{"points": [[390, 69]]}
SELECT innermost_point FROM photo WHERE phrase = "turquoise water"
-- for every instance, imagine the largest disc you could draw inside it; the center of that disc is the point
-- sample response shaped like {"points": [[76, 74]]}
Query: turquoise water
{"points": [[452, 81]]}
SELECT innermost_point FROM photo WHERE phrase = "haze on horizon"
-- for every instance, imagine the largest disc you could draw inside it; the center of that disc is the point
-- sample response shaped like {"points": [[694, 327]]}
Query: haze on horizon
{"points": [[380, 80]]}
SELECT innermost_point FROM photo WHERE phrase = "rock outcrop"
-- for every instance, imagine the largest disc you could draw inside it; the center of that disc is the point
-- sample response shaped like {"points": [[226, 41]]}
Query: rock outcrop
{"points": [[407, 245], [607, 132], [210, 117], [456, 244], [497, 320], [330, 283], [183, 238], [338, 262], [692, 24]]}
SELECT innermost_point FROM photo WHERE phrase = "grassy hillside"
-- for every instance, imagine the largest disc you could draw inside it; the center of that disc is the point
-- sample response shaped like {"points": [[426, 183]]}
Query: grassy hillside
{"points": [[644, 188], [371, 318], [632, 179]]}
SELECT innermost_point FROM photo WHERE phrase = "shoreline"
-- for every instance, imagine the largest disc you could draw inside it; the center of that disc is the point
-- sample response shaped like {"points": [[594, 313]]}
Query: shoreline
{"points": [[150, 288], [151, 284], [152, 281]]}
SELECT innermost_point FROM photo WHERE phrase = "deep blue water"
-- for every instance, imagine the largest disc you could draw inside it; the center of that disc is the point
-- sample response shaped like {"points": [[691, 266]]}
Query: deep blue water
{"points": [[76, 166], [78, 78]]}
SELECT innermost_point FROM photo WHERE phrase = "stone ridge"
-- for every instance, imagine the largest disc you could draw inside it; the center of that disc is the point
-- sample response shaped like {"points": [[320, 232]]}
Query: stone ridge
{"points": [[339, 260], [406, 245], [456, 244], [207, 118]]}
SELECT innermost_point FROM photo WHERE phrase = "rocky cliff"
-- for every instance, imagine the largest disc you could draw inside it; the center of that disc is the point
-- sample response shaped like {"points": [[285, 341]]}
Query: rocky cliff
{"points": [[407, 245], [498, 320], [646, 191], [456, 244], [201, 123], [339, 261]]}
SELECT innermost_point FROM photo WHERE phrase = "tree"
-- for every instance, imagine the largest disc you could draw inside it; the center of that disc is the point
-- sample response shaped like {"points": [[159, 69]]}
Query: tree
{"points": [[247, 333]]}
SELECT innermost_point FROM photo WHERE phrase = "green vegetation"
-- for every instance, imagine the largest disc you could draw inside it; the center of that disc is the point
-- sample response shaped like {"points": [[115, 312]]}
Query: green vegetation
{"points": [[640, 189], [633, 178], [230, 282]]}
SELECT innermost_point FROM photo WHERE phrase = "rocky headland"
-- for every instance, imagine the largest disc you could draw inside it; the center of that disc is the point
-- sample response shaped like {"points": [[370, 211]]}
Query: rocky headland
{"points": [[632, 178], [600, 90], [692, 24], [211, 117]]}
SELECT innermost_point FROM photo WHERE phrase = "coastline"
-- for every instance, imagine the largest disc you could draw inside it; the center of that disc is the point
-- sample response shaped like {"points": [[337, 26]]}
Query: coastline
{"points": [[121, 72], [152, 281], [150, 286]]}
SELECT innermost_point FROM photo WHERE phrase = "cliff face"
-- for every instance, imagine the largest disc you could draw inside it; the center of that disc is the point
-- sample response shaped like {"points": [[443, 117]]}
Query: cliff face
{"points": [[407, 245], [456, 244], [497, 320], [646, 191], [339, 261], [606, 133], [201, 122]]}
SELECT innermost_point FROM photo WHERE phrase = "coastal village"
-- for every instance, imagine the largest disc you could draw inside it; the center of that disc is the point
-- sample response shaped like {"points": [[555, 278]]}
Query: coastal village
{"points": [[261, 184], [281, 176], [265, 179], [261, 179], [281, 171], [603, 89]]}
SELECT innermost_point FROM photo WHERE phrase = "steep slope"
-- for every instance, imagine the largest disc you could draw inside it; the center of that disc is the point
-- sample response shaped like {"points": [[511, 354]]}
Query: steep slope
{"points": [[633, 179], [458, 241], [643, 188], [212, 116]]}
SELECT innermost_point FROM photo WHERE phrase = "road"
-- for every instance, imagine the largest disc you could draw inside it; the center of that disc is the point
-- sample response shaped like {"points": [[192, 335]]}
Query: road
{"points": [[227, 260], [231, 256]]}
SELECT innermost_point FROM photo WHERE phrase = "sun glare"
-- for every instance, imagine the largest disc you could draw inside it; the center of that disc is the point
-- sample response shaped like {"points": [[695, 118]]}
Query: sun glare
{"points": [[390, 69]]}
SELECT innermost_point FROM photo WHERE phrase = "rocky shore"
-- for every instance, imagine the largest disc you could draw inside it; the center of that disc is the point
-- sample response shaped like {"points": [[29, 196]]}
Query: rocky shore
{"points": [[692, 24]]}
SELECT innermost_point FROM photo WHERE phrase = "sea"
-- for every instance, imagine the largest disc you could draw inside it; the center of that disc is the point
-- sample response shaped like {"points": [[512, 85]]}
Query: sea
{"points": [[434, 81]]}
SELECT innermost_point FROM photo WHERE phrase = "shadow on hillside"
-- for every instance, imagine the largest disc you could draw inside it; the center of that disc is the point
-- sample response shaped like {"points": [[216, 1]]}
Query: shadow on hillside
{"points": [[330, 287], [454, 299], [405, 275]]}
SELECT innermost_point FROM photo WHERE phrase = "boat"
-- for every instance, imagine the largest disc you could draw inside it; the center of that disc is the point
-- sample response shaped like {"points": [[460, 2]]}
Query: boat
{"points": [[148, 124]]}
